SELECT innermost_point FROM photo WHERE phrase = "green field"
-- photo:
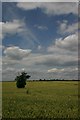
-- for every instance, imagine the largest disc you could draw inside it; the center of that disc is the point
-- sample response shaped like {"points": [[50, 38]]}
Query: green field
{"points": [[52, 99]]}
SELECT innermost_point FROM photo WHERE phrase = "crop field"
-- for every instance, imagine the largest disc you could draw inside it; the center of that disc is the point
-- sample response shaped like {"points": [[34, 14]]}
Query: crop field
{"points": [[52, 99]]}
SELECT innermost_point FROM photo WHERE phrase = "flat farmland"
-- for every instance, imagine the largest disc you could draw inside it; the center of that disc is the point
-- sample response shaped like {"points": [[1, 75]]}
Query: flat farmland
{"points": [[42, 99]]}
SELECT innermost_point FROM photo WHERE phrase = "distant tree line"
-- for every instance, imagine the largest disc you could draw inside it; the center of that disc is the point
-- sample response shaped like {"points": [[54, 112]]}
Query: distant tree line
{"points": [[54, 80], [23, 76]]}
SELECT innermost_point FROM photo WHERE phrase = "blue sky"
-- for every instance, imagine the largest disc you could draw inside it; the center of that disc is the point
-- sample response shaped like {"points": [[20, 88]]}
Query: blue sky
{"points": [[40, 38], [33, 19]]}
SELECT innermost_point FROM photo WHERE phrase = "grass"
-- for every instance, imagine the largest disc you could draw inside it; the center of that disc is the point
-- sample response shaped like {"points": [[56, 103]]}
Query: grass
{"points": [[0, 100], [52, 99]]}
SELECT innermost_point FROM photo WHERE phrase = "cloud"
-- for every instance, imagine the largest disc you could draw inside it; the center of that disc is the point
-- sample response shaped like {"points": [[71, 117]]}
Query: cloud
{"points": [[62, 25], [40, 1], [39, 47], [69, 43], [41, 65], [51, 8], [61, 8], [62, 70], [16, 53], [40, 27], [57, 60], [44, 62], [55, 70], [8, 74], [68, 73], [11, 28], [72, 28], [0, 32], [65, 28], [19, 28], [1, 49], [9, 69], [28, 6], [11, 61]]}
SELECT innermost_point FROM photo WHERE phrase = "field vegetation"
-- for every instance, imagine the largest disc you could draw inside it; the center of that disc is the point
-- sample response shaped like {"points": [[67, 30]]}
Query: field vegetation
{"points": [[40, 99]]}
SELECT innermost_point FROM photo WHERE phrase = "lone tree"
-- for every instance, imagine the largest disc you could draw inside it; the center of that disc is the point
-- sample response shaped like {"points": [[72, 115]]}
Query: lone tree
{"points": [[21, 79]]}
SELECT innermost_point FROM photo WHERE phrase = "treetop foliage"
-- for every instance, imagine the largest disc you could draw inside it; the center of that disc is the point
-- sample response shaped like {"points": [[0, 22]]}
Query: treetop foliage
{"points": [[21, 79]]}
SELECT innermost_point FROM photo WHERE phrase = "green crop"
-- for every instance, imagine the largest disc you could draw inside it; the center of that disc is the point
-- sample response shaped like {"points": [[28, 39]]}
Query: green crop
{"points": [[52, 99]]}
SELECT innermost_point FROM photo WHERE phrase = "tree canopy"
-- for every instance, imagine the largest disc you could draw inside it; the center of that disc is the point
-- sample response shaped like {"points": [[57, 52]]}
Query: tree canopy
{"points": [[21, 79]]}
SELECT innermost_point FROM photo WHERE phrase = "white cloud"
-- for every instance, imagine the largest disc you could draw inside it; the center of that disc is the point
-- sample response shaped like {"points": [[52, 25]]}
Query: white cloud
{"points": [[0, 31], [16, 53], [12, 58], [72, 28], [20, 28], [55, 70], [12, 27], [63, 25], [39, 47], [61, 8], [49, 60], [67, 73], [16, 57], [0, 36], [1, 47], [28, 6], [68, 69], [69, 43], [38, 66], [65, 28], [39, 1], [8, 69], [51, 8], [40, 27]]}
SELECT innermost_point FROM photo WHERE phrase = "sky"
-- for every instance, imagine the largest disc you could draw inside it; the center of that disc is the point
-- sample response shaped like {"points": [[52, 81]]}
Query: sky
{"points": [[40, 38]]}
